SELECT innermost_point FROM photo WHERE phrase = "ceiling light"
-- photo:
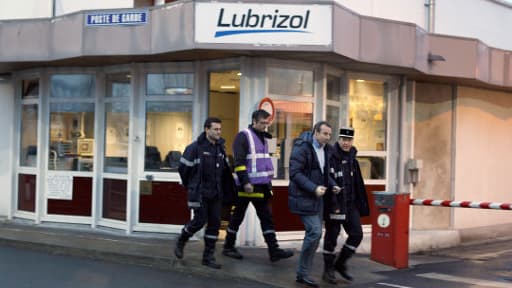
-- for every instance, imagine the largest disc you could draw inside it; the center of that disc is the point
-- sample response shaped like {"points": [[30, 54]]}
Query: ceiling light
{"points": [[227, 86], [360, 80]]}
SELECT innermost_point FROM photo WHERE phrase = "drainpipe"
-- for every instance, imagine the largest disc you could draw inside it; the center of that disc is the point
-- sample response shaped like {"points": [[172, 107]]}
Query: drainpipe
{"points": [[430, 16]]}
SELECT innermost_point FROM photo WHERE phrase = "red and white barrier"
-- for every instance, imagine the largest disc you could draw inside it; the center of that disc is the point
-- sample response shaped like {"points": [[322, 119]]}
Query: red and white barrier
{"points": [[462, 204]]}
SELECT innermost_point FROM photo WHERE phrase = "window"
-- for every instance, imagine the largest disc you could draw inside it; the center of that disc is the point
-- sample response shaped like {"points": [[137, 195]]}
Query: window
{"points": [[368, 116], [71, 122], [291, 91], [291, 82], [168, 120], [28, 155], [117, 119]]}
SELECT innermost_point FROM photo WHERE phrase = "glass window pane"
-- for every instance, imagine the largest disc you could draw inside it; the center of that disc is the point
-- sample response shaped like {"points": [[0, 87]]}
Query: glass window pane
{"points": [[333, 118], [71, 136], [117, 119], [170, 84], [28, 149], [118, 85], [333, 88], [291, 82], [367, 112], [27, 192], [372, 167], [168, 132], [114, 199], [72, 86], [30, 89], [291, 119]]}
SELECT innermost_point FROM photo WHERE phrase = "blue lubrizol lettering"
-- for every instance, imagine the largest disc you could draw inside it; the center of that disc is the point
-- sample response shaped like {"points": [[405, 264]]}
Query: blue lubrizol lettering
{"points": [[261, 23]]}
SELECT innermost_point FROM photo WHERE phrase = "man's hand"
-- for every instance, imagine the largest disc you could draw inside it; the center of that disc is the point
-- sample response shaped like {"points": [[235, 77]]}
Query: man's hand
{"points": [[320, 190], [248, 188], [336, 189]]}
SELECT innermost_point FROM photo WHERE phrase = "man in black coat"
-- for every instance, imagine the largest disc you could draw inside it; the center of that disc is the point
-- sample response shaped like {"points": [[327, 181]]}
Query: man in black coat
{"points": [[203, 170], [352, 203], [309, 180]]}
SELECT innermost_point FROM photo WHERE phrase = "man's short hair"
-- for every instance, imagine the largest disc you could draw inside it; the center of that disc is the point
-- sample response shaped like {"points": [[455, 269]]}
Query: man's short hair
{"points": [[319, 124], [208, 122], [259, 114]]}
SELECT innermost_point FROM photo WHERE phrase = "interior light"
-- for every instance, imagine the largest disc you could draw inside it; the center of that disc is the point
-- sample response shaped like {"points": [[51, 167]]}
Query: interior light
{"points": [[239, 74], [227, 86], [360, 80]]}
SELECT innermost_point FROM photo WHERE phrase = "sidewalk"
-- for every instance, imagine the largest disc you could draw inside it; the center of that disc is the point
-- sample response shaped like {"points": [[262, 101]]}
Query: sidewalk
{"points": [[155, 250]]}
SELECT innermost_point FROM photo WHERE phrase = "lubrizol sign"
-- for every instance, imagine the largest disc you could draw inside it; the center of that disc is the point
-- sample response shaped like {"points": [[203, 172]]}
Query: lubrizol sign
{"points": [[271, 24]]}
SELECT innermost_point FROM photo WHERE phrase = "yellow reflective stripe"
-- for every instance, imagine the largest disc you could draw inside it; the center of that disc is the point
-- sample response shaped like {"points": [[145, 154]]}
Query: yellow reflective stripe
{"points": [[251, 195], [240, 168]]}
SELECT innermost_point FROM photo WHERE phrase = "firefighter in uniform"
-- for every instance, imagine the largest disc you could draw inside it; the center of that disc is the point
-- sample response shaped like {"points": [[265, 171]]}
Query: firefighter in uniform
{"points": [[254, 171], [203, 169], [344, 208]]}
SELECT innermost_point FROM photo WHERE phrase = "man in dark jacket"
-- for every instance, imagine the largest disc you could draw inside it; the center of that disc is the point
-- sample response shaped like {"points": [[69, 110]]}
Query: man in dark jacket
{"points": [[309, 180], [254, 170], [352, 202], [202, 169]]}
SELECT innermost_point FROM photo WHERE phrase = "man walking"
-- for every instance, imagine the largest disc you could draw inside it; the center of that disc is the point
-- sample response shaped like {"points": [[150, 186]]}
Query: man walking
{"points": [[254, 171], [202, 168], [352, 201], [309, 180]]}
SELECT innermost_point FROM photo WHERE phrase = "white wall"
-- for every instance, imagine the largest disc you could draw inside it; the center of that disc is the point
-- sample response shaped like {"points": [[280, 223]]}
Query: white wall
{"points": [[7, 120], [412, 11], [69, 6], [22, 9], [483, 19], [483, 158]]}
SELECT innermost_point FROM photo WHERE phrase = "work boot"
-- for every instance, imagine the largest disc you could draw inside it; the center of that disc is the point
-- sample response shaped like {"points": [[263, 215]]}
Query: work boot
{"points": [[277, 253], [229, 247], [340, 264], [328, 275], [274, 251], [208, 254], [180, 243]]}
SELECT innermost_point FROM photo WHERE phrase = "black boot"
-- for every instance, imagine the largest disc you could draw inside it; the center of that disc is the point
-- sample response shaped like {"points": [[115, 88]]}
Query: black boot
{"points": [[229, 247], [180, 243], [274, 251], [340, 264], [208, 254], [328, 275]]}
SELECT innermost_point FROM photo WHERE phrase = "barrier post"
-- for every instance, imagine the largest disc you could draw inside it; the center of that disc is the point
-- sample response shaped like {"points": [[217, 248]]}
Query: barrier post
{"points": [[390, 229]]}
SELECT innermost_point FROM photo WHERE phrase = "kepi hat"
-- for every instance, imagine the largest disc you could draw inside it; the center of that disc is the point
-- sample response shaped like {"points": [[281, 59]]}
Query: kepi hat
{"points": [[347, 132]]}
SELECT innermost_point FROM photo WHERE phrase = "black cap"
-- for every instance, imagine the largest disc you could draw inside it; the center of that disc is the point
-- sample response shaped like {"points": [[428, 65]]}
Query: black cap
{"points": [[347, 132]]}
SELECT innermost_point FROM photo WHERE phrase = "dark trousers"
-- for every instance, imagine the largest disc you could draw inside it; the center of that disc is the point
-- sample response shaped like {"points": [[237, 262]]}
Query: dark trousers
{"points": [[352, 226], [264, 214], [208, 213]]}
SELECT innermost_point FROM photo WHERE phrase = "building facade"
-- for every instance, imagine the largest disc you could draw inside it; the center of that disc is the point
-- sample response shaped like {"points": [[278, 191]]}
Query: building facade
{"points": [[98, 106]]}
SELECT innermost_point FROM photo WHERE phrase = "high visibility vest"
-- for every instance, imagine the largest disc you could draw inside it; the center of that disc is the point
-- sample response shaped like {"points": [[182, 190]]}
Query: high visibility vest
{"points": [[259, 163]]}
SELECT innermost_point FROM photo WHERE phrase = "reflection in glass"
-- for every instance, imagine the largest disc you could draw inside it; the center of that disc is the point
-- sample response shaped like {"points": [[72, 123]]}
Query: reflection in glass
{"points": [[72, 86], [118, 85], [170, 84], [372, 167], [291, 119], [333, 118], [28, 149], [168, 132], [117, 119], [333, 88], [291, 82], [71, 136], [30, 89], [367, 114]]}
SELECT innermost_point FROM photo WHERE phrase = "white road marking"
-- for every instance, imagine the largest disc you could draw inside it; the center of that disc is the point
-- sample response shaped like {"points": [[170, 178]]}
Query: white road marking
{"points": [[467, 280], [393, 285]]}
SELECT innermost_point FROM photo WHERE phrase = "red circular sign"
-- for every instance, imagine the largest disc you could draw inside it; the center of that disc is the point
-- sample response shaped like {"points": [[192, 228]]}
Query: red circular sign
{"points": [[267, 105]]}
